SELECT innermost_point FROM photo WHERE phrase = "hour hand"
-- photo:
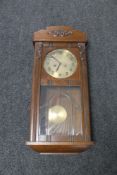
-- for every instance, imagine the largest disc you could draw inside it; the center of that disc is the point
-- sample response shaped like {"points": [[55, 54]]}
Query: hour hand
{"points": [[58, 67]]}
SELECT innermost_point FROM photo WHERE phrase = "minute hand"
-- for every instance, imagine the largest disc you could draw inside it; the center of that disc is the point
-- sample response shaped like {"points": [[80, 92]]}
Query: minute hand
{"points": [[56, 59]]}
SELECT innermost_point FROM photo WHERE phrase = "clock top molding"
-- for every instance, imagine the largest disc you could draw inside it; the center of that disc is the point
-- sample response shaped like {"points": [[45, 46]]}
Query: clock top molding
{"points": [[60, 34]]}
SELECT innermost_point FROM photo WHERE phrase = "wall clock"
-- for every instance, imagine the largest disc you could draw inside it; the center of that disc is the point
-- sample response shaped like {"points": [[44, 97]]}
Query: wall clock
{"points": [[60, 118]]}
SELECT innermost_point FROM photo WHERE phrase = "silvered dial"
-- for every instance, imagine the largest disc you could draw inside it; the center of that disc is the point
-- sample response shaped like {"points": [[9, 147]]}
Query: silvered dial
{"points": [[60, 63]]}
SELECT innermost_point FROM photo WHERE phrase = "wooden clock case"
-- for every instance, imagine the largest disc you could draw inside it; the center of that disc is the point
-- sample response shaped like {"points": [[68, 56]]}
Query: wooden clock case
{"points": [[57, 37]]}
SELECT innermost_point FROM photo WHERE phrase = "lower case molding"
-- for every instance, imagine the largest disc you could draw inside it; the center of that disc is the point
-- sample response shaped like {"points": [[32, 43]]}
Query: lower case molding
{"points": [[60, 147]]}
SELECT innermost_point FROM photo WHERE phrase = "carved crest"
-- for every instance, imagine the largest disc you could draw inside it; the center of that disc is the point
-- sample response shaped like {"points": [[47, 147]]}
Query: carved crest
{"points": [[60, 33]]}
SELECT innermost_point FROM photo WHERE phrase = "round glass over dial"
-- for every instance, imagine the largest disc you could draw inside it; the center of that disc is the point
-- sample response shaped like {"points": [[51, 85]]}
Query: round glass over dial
{"points": [[60, 63]]}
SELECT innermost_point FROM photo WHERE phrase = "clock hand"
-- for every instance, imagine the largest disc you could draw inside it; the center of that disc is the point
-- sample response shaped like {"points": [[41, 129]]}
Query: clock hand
{"points": [[58, 67], [56, 60]]}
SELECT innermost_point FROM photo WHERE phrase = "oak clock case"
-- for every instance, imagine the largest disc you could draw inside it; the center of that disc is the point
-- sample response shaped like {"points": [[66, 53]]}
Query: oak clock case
{"points": [[60, 118]]}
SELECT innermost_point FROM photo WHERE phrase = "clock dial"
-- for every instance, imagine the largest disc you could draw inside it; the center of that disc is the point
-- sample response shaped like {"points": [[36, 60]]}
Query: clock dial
{"points": [[60, 63]]}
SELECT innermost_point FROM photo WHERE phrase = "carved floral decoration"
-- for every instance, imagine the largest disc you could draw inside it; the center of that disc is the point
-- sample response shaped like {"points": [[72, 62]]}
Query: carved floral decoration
{"points": [[60, 33]]}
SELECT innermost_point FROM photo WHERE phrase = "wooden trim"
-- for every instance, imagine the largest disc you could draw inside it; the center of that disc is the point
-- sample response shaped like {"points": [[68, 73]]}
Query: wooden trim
{"points": [[33, 103], [39, 51], [60, 147], [34, 114], [85, 93]]}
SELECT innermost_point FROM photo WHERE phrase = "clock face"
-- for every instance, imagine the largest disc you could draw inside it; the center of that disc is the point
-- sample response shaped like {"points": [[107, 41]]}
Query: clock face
{"points": [[60, 63]]}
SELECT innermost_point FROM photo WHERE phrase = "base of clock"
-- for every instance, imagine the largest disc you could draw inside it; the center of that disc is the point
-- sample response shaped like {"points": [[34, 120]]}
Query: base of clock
{"points": [[60, 147]]}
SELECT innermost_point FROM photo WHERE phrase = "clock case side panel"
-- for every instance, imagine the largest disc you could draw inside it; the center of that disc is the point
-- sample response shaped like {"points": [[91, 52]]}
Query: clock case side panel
{"points": [[85, 91], [34, 111]]}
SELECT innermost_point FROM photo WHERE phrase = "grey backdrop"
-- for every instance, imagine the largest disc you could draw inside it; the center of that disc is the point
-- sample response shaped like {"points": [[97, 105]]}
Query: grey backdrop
{"points": [[18, 20]]}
